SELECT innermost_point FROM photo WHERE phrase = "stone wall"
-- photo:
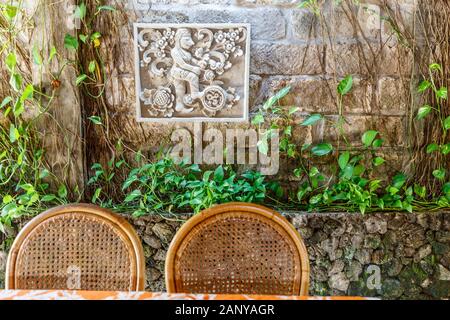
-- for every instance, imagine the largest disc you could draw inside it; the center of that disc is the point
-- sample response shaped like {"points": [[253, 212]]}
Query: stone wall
{"points": [[411, 252], [290, 46]]}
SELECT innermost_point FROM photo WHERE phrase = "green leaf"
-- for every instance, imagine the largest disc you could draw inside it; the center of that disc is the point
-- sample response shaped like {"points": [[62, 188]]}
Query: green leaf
{"points": [[288, 131], [258, 119], [314, 172], [11, 61], [263, 146], [369, 137], [83, 38], [408, 207], [9, 209], [207, 175], [96, 195], [18, 108], [378, 143], [278, 96], [348, 171], [80, 11], [96, 35], [378, 161], [53, 53], [14, 134], [37, 58], [62, 192], [312, 120], [345, 85], [43, 174], [92, 66], [219, 174], [442, 93], [445, 149], [80, 79], [48, 198], [7, 199], [5, 101], [439, 174], [105, 8], [424, 85], [446, 188], [16, 82], [344, 159], [421, 191], [359, 170], [11, 11], [96, 120], [432, 148], [435, 67], [27, 93], [20, 158], [447, 123], [71, 42], [293, 110], [322, 149], [423, 112], [399, 180]]}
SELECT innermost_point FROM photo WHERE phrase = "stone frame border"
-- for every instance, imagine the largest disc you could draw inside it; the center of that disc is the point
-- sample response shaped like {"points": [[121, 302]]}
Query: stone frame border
{"points": [[244, 119]]}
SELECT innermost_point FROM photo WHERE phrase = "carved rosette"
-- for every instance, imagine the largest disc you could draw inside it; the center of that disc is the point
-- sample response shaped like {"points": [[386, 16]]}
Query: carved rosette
{"points": [[161, 101], [189, 69]]}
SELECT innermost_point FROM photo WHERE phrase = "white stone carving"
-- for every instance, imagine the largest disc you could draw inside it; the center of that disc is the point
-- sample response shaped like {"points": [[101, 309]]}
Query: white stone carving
{"points": [[192, 72]]}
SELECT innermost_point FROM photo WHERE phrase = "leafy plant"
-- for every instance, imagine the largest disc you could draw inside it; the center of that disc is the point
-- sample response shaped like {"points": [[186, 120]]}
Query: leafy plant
{"points": [[26, 183], [165, 186], [441, 95]]}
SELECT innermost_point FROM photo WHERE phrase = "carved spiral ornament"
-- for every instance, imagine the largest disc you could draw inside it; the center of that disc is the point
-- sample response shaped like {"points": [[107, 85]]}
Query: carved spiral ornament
{"points": [[214, 98]]}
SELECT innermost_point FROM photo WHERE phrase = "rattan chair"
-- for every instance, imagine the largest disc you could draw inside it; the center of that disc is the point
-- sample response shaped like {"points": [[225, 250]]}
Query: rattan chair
{"points": [[238, 248], [77, 247]]}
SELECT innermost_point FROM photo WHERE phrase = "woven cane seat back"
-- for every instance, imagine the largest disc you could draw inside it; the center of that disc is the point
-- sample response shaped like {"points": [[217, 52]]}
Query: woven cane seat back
{"points": [[77, 248], [238, 249]]}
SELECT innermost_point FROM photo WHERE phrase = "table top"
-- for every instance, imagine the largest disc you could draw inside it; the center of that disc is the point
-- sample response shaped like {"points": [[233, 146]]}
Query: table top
{"points": [[97, 295]]}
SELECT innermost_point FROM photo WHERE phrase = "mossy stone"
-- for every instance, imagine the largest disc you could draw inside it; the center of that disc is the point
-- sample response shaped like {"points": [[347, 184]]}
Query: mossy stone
{"points": [[439, 289], [413, 274], [392, 289]]}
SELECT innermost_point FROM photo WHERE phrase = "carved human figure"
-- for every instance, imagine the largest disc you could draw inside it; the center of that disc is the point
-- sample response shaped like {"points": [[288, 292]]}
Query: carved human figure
{"points": [[184, 70]]}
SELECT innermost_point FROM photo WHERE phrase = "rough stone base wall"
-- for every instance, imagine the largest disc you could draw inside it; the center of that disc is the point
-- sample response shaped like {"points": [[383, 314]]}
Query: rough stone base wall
{"points": [[411, 253]]}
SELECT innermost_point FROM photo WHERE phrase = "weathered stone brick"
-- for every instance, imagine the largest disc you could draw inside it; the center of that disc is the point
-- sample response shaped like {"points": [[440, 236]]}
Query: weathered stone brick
{"points": [[393, 96], [396, 161], [267, 23], [288, 59], [254, 88], [396, 60], [354, 58], [280, 3], [310, 94], [140, 136], [147, 4], [339, 21], [392, 129], [405, 11], [351, 20], [304, 24], [318, 95]]}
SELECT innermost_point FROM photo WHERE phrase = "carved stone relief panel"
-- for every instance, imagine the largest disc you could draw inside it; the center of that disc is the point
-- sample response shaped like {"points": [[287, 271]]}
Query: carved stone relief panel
{"points": [[192, 72]]}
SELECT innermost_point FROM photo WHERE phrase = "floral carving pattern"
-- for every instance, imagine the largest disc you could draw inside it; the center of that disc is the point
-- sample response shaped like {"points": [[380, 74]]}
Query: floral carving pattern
{"points": [[190, 63]]}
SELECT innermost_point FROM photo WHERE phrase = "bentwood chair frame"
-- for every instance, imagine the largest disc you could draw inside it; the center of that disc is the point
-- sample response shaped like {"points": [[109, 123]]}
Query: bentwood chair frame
{"points": [[116, 228], [176, 278]]}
